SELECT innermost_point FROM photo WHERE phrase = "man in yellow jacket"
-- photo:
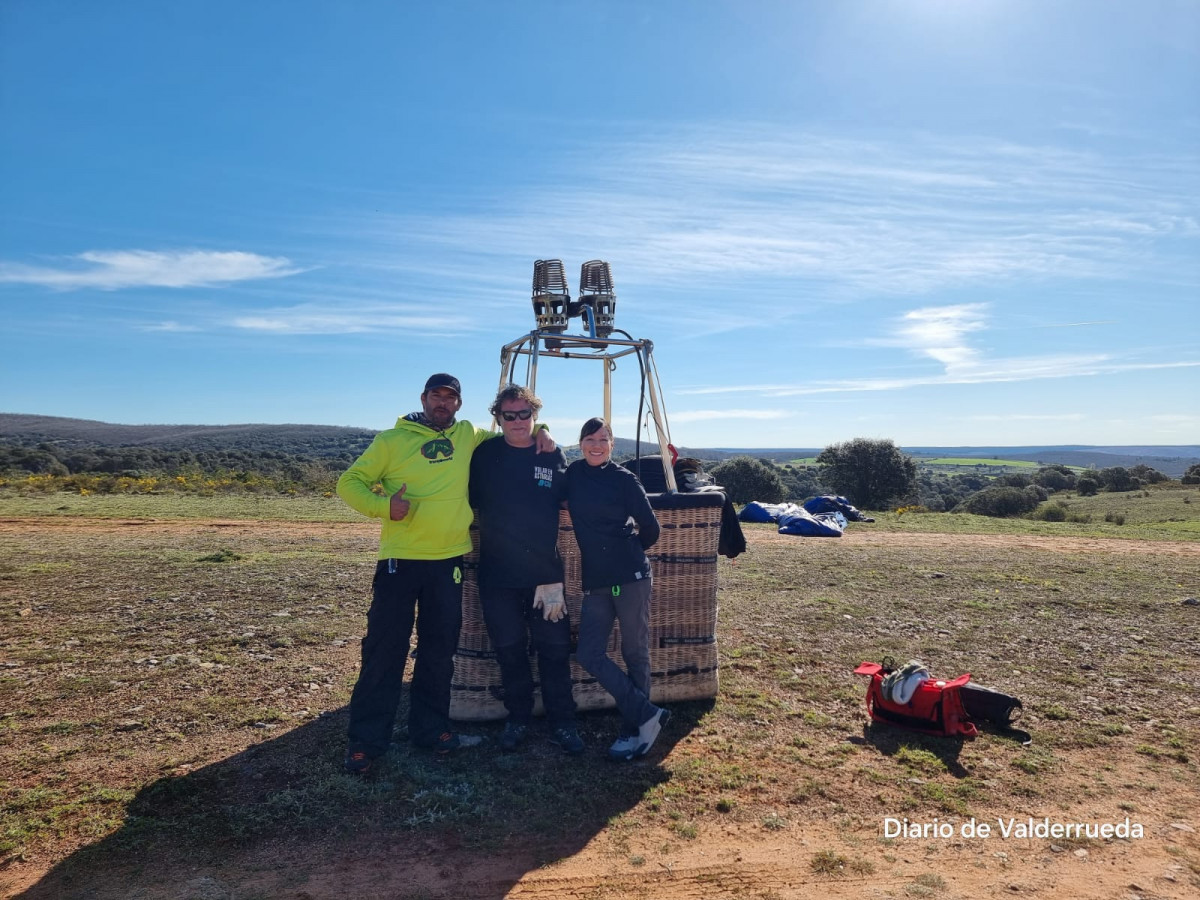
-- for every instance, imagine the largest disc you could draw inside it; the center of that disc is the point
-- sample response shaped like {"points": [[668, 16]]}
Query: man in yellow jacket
{"points": [[423, 465]]}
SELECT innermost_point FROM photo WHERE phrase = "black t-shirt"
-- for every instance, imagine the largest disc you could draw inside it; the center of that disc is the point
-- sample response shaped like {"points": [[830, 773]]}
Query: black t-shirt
{"points": [[605, 502], [517, 493]]}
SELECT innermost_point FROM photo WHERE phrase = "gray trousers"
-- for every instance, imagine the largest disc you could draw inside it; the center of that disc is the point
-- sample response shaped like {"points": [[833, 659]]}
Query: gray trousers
{"points": [[631, 607]]}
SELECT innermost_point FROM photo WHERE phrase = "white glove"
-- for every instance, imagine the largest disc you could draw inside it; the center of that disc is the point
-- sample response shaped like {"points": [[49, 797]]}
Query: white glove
{"points": [[550, 600]]}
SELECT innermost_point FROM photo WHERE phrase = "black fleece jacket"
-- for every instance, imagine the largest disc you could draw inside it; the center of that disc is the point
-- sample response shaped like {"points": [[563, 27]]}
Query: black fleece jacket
{"points": [[604, 502]]}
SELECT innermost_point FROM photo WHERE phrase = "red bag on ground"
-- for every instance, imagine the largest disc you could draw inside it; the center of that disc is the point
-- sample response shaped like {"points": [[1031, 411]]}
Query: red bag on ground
{"points": [[935, 707]]}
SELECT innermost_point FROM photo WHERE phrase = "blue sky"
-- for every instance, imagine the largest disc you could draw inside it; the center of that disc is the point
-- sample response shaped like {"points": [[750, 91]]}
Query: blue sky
{"points": [[943, 223]]}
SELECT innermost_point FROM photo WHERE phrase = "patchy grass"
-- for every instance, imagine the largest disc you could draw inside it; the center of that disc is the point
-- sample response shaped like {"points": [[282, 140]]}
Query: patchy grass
{"points": [[299, 508], [828, 862], [211, 694], [1162, 512], [1166, 505]]}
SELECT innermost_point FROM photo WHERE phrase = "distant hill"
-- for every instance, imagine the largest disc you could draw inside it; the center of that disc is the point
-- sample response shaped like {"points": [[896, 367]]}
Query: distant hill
{"points": [[1171, 460], [294, 440], [332, 441]]}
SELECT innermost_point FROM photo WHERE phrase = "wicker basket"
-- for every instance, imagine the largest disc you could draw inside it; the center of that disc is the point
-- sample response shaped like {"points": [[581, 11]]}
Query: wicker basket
{"points": [[683, 616]]}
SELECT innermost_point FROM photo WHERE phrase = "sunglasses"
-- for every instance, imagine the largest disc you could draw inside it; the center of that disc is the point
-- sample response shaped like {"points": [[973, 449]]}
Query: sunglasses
{"points": [[510, 416]]}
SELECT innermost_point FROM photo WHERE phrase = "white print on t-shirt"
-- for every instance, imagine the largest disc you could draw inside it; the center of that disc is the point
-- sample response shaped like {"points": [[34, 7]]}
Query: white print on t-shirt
{"points": [[544, 476]]}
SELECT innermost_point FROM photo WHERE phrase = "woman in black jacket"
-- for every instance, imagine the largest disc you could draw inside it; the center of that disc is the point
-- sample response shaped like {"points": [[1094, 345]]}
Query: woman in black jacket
{"points": [[605, 501]]}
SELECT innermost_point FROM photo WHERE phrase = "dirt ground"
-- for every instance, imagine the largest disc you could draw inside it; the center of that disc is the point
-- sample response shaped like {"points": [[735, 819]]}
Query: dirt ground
{"points": [[723, 860], [723, 864]]}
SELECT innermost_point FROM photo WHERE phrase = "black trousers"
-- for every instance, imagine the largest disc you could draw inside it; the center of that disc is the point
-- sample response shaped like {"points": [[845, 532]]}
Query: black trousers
{"points": [[429, 590], [511, 622]]}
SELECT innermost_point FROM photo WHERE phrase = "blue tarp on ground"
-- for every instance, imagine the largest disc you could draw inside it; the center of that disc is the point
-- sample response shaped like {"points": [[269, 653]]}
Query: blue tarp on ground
{"points": [[805, 524], [762, 512], [795, 519], [828, 504]]}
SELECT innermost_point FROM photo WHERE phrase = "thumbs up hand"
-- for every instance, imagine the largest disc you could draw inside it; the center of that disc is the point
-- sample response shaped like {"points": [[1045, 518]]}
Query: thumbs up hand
{"points": [[397, 506]]}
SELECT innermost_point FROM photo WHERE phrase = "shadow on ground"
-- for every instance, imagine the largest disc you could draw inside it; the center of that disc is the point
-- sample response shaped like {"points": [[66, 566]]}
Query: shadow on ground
{"points": [[283, 819], [890, 740]]}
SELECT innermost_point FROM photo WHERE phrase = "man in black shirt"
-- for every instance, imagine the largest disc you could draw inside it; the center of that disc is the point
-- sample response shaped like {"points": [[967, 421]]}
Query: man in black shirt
{"points": [[517, 493]]}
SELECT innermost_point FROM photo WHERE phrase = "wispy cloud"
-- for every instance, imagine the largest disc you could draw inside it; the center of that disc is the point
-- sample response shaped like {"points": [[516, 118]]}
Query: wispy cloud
{"points": [[1177, 419], [1183, 426], [313, 319], [114, 270], [782, 214], [1024, 417], [704, 415], [995, 371], [1078, 324], [170, 327], [940, 334]]}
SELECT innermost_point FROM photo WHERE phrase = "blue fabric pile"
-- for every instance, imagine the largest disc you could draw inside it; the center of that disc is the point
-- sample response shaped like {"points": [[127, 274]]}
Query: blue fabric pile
{"points": [[828, 503], [818, 517]]}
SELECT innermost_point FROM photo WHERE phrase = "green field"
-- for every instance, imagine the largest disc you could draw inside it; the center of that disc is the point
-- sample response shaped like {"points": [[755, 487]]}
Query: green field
{"points": [[977, 462], [951, 463]]}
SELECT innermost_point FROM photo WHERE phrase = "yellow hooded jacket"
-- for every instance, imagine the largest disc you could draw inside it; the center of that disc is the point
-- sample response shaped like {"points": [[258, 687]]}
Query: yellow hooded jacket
{"points": [[436, 466]]}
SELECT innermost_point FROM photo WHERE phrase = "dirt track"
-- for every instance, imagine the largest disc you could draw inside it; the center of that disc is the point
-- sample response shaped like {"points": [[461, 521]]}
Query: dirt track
{"points": [[1047, 544], [727, 863], [860, 536]]}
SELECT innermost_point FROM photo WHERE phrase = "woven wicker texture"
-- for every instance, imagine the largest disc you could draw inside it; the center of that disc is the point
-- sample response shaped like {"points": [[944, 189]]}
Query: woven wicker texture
{"points": [[683, 619]]}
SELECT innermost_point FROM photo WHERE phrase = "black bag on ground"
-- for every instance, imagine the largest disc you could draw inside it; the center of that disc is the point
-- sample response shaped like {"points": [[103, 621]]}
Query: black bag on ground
{"points": [[989, 705], [1000, 710]]}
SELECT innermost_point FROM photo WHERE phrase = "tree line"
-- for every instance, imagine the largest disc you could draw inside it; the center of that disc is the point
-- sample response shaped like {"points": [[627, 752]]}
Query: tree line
{"points": [[871, 474], [112, 469], [876, 475]]}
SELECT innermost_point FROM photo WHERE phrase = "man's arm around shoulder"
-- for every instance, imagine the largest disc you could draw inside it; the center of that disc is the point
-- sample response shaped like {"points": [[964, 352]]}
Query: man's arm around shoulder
{"points": [[643, 513]]}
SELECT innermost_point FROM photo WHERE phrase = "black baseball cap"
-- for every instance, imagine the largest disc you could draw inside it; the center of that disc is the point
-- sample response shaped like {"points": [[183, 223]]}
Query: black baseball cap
{"points": [[440, 380]]}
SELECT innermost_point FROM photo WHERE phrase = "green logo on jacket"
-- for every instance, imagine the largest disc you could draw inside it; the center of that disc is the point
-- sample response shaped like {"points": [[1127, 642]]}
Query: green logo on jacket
{"points": [[439, 446], [457, 575]]}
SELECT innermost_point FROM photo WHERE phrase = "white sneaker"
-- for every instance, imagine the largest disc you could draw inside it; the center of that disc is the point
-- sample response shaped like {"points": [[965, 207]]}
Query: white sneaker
{"points": [[650, 730], [625, 747], [448, 742]]}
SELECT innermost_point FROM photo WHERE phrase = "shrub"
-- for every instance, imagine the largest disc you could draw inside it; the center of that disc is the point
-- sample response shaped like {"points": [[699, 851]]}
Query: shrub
{"points": [[1001, 502], [1055, 512], [799, 483], [1147, 475], [1087, 486], [872, 474], [1014, 479], [1118, 479], [1055, 478], [745, 479]]}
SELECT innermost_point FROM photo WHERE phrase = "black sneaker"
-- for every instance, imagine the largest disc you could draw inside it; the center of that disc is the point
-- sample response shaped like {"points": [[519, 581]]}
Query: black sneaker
{"points": [[448, 742], [513, 736], [357, 763], [567, 738]]}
